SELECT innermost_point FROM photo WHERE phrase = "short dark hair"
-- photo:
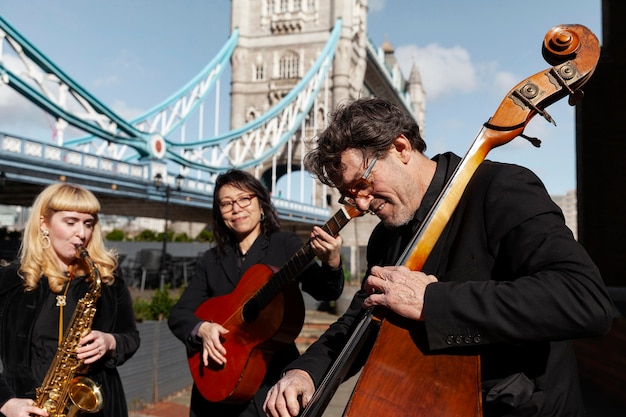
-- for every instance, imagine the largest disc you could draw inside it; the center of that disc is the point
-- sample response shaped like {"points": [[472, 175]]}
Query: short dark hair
{"points": [[369, 124], [247, 182]]}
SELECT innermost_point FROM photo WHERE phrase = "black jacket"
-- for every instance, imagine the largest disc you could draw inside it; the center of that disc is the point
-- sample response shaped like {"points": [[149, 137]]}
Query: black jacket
{"points": [[219, 275], [18, 314], [514, 287]]}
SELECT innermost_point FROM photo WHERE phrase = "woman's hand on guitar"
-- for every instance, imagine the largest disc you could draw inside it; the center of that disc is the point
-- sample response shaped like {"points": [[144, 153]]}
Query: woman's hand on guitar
{"points": [[399, 289], [326, 247], [293, 391], [211, 335]]}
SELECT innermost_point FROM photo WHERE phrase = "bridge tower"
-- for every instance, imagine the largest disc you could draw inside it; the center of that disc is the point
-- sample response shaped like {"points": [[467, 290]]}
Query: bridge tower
{"points": [[279, 40]]}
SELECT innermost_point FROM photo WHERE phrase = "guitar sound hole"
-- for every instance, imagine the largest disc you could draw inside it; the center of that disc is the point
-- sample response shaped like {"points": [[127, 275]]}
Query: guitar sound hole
{"points": [[251, 311]]}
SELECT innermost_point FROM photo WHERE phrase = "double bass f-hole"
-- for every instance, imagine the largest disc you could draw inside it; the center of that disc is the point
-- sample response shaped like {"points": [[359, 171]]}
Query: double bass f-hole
{"points": [[398, 378]]}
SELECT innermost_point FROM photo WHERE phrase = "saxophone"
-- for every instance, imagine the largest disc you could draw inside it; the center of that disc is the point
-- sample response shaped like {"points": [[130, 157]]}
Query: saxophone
{"points": [[65, 391]]}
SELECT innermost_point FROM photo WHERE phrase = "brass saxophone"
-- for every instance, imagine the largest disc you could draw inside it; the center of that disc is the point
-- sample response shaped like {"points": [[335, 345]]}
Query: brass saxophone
{"points": [[66, 391]]}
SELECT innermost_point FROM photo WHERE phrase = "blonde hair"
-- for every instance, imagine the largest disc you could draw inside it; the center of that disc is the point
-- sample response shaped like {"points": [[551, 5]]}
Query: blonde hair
{"points": [[37, 260]]}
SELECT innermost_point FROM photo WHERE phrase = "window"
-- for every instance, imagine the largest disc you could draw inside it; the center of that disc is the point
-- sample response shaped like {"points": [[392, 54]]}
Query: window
{"points": [[288, 65], [259, 73]]}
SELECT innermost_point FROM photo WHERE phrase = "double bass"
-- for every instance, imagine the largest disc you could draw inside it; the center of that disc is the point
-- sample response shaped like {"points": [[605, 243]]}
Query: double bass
{"points": [[400, 377]]}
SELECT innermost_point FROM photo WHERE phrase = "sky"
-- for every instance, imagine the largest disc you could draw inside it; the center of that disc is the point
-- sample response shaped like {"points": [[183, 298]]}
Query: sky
{"points": [[133, 54]]}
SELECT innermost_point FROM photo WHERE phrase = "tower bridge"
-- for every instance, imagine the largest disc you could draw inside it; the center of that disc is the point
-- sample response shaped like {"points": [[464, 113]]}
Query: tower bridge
{"points": [[289, 69]]}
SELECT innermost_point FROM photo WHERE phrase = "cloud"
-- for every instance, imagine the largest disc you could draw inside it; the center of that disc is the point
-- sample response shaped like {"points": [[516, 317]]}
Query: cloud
{"points": [[18, 115], [107, 81], [503, 82], [128, 113], [444, 71], [376, 5], [494, 81], [451, 71]]}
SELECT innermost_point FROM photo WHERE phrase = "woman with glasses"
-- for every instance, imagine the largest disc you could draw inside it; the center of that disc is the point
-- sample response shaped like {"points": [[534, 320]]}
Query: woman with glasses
{"points": [[247, 232]]}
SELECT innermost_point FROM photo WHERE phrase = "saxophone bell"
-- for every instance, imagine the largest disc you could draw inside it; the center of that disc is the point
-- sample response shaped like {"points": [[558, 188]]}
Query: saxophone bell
{"points": [[86, 396]]}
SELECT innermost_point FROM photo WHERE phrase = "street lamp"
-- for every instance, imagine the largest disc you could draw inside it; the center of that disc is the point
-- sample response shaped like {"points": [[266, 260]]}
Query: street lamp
{"points": [[158, 182]]}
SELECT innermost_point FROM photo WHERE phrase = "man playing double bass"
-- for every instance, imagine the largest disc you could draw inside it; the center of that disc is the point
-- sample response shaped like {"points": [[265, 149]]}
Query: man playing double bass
{"points": [[506, 280]]}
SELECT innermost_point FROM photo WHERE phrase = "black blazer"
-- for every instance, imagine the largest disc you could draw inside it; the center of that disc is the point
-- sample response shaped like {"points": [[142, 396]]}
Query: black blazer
{"points": [[514, 287], [219, 275]]}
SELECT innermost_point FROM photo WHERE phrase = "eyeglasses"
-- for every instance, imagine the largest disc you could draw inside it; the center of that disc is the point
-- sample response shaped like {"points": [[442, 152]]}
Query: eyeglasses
{"points": [[359, 188], [243, 202]]}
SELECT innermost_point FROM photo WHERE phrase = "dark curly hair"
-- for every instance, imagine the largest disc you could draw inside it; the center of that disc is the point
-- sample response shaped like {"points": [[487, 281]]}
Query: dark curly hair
{"points": [[368, 124], [245, 181]]}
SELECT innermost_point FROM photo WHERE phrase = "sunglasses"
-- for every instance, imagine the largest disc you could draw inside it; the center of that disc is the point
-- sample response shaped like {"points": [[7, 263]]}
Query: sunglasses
{"points": [[359, 188]]}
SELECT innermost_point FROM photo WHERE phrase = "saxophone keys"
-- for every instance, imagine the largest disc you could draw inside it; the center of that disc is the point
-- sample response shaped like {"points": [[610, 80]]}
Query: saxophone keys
{"points": [[53, 395]]}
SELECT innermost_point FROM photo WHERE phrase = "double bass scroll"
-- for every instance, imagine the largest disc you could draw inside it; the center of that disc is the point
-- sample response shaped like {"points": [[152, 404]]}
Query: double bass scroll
{"points": [[400, 378]]}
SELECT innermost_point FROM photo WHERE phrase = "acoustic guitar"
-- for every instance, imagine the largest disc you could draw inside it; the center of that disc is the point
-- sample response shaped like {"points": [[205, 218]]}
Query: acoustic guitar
{"points": [[264, 313]]}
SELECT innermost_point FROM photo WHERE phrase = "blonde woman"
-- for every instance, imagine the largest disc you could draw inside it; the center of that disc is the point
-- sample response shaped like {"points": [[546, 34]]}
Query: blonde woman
{"points": [[39, 293]]}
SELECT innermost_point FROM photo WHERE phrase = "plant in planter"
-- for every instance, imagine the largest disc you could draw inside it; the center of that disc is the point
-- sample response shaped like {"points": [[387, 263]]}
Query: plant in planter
{"points": [[158, 308]]}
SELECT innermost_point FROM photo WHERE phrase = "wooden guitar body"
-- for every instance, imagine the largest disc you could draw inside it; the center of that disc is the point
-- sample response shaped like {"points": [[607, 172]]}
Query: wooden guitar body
{"points": [[251, 341]]}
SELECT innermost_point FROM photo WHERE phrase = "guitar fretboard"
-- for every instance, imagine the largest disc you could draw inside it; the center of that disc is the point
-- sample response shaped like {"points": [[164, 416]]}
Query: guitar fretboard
{"points": [[299, 260]]}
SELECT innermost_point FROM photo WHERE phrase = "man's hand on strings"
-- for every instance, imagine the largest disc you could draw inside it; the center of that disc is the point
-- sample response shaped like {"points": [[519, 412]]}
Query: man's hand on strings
{"points": [[399, 289], [293, 391]]}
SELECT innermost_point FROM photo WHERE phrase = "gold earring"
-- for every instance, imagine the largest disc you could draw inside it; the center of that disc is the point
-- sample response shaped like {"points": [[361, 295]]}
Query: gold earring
{"points": [[45, 239]]}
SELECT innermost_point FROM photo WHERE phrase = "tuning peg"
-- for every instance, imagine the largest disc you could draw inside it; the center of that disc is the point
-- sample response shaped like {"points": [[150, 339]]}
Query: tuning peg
{"points": [[547, 116], [575, 97], [535, 142]]}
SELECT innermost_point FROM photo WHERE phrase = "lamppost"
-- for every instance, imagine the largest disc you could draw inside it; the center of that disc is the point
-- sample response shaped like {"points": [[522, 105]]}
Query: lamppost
{"points": [[158, 182]]}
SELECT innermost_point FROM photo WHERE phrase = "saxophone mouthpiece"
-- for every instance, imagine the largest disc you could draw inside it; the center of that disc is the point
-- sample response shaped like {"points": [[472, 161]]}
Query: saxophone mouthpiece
{"points": [[81, 251]]}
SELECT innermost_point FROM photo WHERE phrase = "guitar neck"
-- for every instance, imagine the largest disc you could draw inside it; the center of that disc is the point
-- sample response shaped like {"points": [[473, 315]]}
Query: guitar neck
{"points": [[301, 259], [305, 255]]}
